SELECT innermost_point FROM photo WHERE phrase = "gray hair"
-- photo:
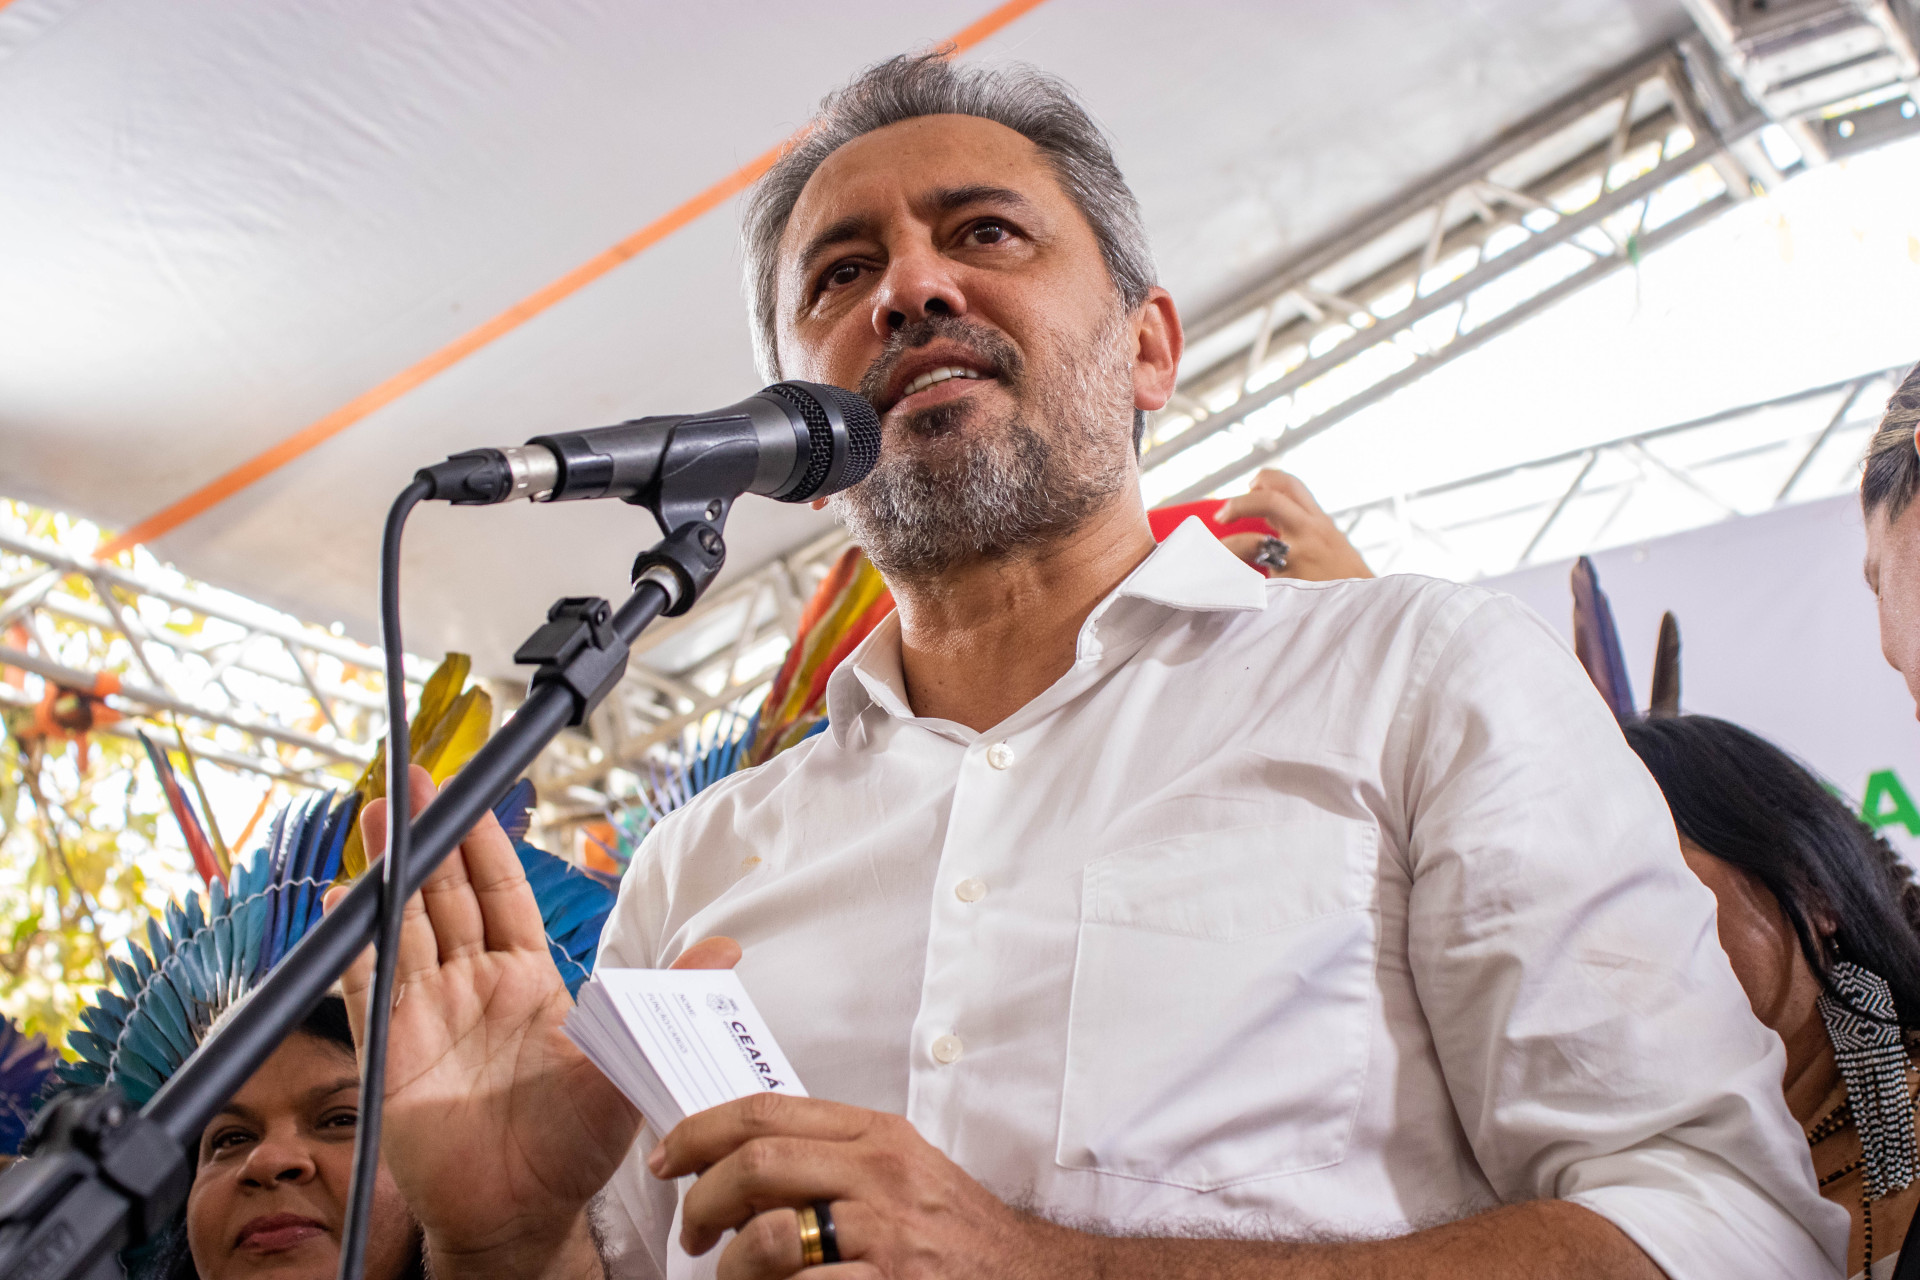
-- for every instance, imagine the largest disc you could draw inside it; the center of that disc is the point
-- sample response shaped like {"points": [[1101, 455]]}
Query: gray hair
{"points": [[1039, 107]]}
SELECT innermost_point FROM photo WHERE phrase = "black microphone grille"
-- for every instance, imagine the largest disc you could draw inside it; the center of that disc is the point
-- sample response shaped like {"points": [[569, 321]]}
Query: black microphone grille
{"points": [[844, 434]]}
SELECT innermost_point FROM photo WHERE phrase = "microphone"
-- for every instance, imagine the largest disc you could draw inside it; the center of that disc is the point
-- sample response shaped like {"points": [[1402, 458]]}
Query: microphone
{"points": [[794, 441]]}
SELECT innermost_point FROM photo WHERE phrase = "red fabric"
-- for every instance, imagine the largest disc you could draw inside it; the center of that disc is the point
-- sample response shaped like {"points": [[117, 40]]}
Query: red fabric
{"points": [[1164, 520]]}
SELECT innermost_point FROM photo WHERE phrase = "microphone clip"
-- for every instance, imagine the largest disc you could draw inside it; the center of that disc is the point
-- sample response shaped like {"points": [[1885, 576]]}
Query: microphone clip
{"points": [[691, 556], [577, 648]]}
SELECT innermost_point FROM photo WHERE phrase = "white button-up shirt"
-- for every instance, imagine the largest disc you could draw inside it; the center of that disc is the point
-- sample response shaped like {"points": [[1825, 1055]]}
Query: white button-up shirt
{"points": [[1292, 910]]}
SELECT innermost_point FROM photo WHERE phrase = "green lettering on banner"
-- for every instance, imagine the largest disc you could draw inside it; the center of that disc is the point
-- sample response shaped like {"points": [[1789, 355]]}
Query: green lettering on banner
{"points": [[1887, 802]]}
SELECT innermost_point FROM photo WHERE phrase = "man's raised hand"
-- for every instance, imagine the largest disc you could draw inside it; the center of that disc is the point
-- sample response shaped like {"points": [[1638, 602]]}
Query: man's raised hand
{"points": [[497, 1129]]}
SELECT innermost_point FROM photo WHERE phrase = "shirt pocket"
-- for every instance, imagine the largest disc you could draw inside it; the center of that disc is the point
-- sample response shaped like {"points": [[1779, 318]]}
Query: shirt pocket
{"points": [[1222, 994]]}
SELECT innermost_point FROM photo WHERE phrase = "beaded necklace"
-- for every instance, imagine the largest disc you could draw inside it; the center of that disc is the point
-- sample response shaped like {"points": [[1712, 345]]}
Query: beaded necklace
{"points": [[1835, 1122]]}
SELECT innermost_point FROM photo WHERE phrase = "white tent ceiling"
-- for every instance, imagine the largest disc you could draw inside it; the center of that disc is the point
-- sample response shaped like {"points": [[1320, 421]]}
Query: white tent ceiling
{"points": [[222, 221]]}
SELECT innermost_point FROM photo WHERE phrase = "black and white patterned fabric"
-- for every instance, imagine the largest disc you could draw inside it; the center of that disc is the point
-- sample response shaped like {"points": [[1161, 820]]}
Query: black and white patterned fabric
{"points": [[1872, 1054]]}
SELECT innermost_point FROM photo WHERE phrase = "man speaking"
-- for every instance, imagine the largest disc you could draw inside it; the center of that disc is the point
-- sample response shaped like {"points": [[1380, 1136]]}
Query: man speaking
{"points": [[1136, 916]]}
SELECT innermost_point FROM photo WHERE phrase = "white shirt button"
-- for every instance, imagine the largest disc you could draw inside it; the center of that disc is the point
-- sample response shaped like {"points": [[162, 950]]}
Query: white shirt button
{"points": [[972, 889], [947, 1049], [1000, 756]]}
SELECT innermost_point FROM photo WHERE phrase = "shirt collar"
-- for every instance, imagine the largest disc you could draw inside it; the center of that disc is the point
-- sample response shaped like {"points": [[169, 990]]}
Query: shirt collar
{"points": [[1190, 570]]}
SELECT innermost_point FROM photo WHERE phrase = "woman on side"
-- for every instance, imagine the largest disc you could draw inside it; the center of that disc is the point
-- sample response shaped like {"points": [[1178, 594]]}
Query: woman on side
{"points": [[1821, 921]]}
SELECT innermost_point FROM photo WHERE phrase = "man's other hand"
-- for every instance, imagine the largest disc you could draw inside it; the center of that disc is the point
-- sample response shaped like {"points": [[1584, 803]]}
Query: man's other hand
{"points": [[899, 1206], [1316, 549]]}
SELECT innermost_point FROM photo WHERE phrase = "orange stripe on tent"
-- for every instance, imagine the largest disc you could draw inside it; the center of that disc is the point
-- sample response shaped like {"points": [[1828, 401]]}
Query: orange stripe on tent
{"points": [[968, 37], [318, 433]]}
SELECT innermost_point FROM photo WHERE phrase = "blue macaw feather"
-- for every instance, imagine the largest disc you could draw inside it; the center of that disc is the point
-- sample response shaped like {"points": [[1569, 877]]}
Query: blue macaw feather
{"points": [[274, 894], [249, 918], [158, 937], [252, 875], [128, 976], [98, 1020], [169, 1015], [83, 1073], [573, 910], [262, 867], [93, 1047], [139, 1080], [194, 979], [717, 750], [285, 853], [142, 1045], [1596, 640], [566, 893], [339, 828], [220, 946], [303, 900], [515, 810]]}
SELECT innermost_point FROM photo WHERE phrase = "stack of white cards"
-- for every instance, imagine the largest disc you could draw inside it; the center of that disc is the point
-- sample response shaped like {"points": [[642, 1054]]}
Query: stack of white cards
{"points": [[677, 1041]]}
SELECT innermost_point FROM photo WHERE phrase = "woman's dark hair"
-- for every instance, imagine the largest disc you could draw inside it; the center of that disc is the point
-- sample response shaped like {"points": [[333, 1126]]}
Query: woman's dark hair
{"points": [[328, 1021], [168, 1256], [1748, 803]]}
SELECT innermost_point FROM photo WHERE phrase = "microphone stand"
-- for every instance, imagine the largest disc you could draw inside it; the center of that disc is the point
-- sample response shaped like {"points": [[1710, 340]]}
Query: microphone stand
{"points": [[104, 1177]]}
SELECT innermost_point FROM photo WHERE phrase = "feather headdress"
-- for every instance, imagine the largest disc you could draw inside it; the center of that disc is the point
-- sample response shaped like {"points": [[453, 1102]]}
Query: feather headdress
{"points": [[206, 953]]}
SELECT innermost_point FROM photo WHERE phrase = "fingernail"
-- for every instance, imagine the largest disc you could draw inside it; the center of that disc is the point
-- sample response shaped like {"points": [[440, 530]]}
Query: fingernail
{"points": [[658, 1159], [1221, 514]]}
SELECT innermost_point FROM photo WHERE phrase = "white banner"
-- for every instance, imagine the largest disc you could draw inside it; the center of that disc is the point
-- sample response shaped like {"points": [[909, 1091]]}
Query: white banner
{"points": [[1778, 633]]}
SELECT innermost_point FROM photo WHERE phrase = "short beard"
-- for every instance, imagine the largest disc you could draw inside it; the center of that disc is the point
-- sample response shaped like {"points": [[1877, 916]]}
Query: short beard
{"points": [[1015, 488]]}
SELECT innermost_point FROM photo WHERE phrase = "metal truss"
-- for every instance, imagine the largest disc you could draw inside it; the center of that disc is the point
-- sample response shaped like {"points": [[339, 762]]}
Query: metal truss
{"points": [[1610, 173], [1838, 75], [248, 687], [1741, 461], [716, 661]]}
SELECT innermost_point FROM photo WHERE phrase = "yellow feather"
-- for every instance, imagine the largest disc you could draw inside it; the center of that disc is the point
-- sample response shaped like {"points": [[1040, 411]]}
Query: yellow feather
{"points": [[860, 593], [460, 732], [447, 728]]}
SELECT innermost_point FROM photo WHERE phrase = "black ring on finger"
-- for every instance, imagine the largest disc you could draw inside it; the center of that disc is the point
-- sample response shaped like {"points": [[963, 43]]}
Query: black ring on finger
{"points": [[829, 1239], [1272, 554]]}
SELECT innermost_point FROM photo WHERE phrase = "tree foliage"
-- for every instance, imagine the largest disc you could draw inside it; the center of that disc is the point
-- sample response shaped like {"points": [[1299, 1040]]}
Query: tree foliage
{"points": [[88, 851]]}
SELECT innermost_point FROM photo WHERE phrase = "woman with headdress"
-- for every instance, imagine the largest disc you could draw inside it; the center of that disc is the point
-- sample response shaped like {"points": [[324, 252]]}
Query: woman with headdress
{"points": [[271, 1174], [1821, 921], [271, 1171]]}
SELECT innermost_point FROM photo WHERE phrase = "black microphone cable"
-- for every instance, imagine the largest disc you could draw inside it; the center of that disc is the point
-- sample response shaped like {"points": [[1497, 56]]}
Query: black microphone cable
{"points": [[373, 1040]]}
